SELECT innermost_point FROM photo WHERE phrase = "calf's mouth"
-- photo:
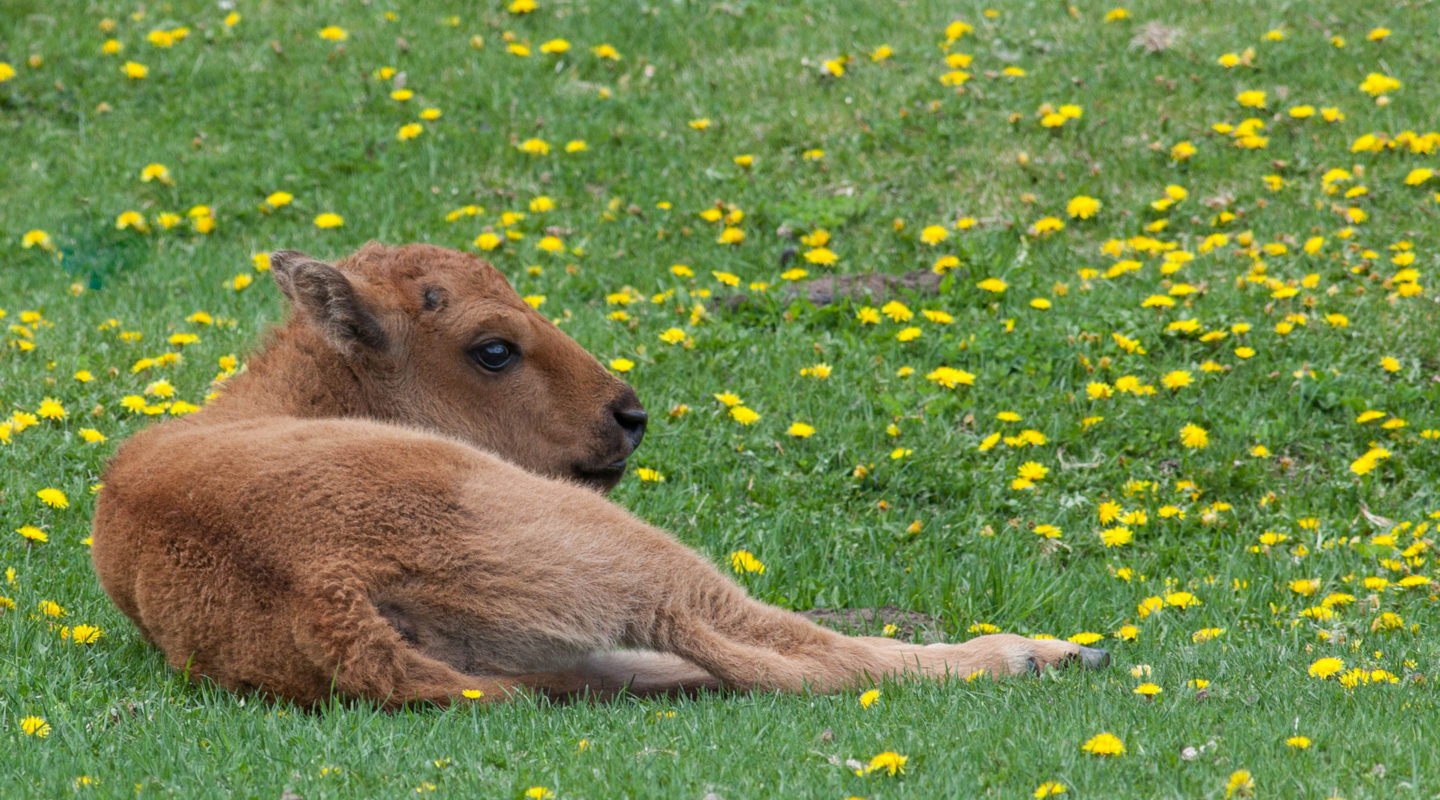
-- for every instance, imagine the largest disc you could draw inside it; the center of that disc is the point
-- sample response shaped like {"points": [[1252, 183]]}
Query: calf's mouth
{"points": [[602, 479]]}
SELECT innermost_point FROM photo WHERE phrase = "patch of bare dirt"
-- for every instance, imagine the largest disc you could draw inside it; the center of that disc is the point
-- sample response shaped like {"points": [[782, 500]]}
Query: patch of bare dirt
{"points": [[872, 621], [865, 286]]}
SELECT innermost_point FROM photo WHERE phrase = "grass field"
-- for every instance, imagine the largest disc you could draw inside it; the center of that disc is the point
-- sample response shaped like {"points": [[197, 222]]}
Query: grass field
{"points": [[1177, 396]]}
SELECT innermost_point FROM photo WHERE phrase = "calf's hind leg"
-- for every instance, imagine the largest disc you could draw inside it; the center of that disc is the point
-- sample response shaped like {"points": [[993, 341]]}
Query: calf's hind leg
{"points": [[614, 581], [546, 591], [711, 621]]}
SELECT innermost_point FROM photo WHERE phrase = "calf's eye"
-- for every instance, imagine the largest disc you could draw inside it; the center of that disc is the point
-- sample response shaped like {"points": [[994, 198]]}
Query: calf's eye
{"points": [[494, 355]]}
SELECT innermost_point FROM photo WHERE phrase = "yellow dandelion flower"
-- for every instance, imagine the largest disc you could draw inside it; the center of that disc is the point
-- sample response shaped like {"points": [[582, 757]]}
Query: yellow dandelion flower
{"points": [[1055, 788], [821, 255], [934, 234], [1082, 207], [1251, 99], [1032, 471], [50, 408], [1194, 437], [1117, 536], [1376, 84], [743, 561], [730, 235], [37, 238], [743, 415], [131, 220], [1176, 379], [1240, 784], [1104, 744], [896, 311], [156, 172], [53, 498], [1048, 225], [85, 634], [32, 533], [1206, 634], [1367, 463], [1325, 667], [800, 430], [888, 762]]}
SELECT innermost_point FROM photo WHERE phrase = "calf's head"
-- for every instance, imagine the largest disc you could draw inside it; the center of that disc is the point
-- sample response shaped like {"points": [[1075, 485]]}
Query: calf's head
{"points": [[438, 339]]}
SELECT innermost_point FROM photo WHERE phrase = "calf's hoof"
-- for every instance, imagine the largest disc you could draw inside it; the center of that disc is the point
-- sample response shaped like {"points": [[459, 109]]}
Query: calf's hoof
{"points": [[1090, 658], [1087, 657]]}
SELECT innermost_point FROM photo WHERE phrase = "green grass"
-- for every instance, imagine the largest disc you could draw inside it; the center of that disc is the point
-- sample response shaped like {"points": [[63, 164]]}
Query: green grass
{"points": [[236, 113]]}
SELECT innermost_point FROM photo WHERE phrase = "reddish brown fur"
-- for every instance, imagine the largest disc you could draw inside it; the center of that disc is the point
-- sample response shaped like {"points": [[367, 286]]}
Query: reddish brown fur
{"points": [[368, 512]]}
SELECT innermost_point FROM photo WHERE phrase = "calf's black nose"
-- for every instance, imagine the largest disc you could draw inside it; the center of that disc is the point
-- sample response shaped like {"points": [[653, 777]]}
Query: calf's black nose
{"points": [[632, 421]]}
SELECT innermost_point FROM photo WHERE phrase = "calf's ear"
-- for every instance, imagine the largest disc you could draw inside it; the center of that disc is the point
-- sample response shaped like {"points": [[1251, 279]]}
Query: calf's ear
{"points": [[328, 299]]}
